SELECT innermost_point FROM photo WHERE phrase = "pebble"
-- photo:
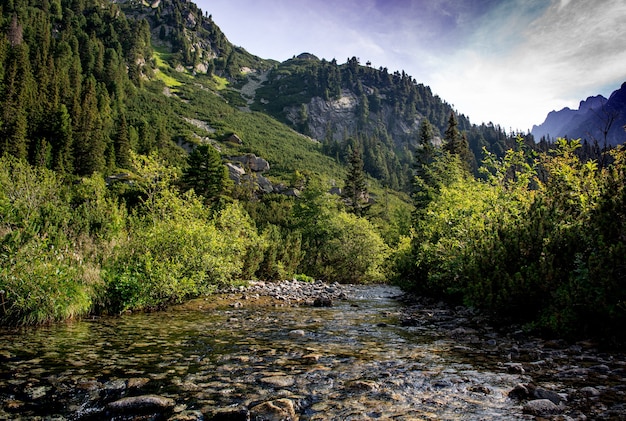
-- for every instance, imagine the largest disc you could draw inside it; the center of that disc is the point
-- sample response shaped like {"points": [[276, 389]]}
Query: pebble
{"points": [[297, 333]]}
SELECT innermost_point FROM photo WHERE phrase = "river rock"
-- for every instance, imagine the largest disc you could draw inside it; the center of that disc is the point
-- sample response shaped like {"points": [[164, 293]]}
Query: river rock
{"points": [[590, 391], [297, 333], [519, 392], [279, 381], [323, 301], [187, 416], [137, 382], [37, 392], [541, 408], [142, 404], [363, 386], [541, 393], [276, 410]]}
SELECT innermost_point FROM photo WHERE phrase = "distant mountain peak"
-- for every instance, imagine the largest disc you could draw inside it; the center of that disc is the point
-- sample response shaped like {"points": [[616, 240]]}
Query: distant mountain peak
{"points": [[597, 119], [307, 56]]}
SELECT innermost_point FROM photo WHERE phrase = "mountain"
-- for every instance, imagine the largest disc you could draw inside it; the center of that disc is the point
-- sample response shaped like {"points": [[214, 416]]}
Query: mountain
{"points": [[597, 120], [84, 83]]}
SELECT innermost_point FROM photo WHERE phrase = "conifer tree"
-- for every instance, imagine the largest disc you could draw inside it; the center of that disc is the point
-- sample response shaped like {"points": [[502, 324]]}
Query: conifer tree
{"points": [[456, 143], [90, 145], [61, 139], [18, 86], [122, 143], [355, 188], [206, 173]]}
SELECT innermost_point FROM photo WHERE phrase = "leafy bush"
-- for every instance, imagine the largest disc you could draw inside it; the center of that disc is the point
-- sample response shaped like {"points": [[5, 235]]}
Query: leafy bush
{"points": [[545, 250]]}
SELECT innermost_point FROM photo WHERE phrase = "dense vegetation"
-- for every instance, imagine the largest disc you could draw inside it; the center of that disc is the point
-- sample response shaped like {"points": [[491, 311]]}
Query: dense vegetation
{"points": [[539, 241], [114, 198]]}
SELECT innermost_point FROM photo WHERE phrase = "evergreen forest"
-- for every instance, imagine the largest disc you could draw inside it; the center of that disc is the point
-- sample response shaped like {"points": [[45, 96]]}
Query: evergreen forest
{"points": [[117, 122]]}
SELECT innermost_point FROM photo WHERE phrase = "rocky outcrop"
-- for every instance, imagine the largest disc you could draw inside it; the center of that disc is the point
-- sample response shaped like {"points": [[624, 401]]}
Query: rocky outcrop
{"points": [[253, 162], [340, 115]]}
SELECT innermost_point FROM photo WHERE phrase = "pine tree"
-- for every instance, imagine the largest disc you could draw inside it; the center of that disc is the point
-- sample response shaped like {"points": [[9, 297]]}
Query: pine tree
{"points": [[355, 188], [206, 173], [62, 140], [122, 143], [456, 143], [90, 145], [424, 155], [18, 88]]}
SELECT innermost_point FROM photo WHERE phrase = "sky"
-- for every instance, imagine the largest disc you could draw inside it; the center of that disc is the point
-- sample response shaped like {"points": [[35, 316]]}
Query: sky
{"points": [[509, 62]]}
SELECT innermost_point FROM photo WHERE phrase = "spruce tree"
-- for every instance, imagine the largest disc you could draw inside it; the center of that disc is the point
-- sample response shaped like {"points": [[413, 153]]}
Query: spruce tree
{"points": [[122, 143], [206, 173], [89, 145], [17, 96], [424, 155], [355, 188], [456, 143]]}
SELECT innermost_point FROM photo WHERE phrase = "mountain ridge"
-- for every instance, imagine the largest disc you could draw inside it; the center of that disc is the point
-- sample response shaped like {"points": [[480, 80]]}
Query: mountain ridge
{"points": [[597, 120]]}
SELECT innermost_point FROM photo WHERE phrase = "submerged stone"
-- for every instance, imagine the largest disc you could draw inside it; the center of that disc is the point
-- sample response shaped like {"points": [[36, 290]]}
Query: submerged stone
{"points": [[146, 403], [276, 410]]}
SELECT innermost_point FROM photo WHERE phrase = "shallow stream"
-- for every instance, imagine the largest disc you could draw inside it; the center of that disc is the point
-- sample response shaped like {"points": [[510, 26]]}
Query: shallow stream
{"points": [[351, 361]]}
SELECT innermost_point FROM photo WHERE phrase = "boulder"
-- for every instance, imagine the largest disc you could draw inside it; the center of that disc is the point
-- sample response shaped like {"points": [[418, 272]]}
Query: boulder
{"points": [[323, 301], [541, 408], [234, 139], [253, 162], [264, 184], [235, 172], [541, 393]]}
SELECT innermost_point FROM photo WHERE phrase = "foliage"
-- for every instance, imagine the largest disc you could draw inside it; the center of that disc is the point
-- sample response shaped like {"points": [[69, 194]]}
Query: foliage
{"points": [[177, 249], [206, 173], [339, 246], [530, 243], [47, 269], [355, 188]]}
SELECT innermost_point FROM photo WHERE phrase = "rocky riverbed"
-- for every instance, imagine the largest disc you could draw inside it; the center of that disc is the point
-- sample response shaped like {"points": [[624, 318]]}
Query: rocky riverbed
{"points": [[303, 351], [559, 381]]}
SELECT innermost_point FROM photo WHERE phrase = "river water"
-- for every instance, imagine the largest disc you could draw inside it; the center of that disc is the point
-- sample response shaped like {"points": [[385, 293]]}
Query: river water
{"points": [[351, 361]]}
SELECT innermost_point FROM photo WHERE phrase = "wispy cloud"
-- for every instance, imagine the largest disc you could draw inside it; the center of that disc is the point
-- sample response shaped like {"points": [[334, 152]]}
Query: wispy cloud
{"points": [[568, 52]]}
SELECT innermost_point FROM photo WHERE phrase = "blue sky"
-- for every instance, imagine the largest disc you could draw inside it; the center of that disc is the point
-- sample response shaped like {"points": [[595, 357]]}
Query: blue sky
{"points": [[505, 61]]}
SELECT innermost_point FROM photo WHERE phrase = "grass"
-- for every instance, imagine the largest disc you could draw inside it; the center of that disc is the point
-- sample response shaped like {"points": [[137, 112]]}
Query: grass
{"points": [[161, 57]]}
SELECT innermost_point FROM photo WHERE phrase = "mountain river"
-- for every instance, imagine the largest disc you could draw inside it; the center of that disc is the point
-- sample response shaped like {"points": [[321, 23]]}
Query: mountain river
{"points": [[239, 357]]}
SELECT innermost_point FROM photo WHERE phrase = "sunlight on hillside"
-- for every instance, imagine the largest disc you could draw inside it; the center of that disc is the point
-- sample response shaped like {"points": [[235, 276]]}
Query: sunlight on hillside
{"points": [[161, 56], [220, 82]]}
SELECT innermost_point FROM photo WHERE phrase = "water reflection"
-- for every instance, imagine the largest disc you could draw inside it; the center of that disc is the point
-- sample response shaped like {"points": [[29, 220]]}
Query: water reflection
{"points": [[351, 361]]}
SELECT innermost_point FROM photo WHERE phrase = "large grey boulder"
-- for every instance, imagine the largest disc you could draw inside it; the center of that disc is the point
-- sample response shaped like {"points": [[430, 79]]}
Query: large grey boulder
{"points": [[255, 163], [235, 172]]}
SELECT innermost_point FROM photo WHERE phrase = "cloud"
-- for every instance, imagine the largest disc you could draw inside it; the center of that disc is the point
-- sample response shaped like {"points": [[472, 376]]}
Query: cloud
{"points": [[553, 59], [505, 61]]}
